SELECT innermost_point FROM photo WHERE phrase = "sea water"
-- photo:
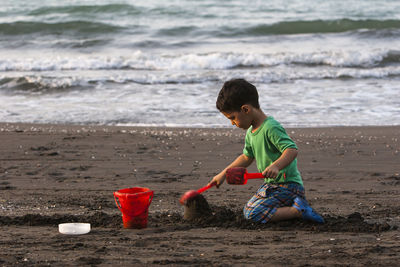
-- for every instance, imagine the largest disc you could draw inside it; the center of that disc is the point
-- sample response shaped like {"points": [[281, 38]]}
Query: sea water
{"points": [[162, 63]]}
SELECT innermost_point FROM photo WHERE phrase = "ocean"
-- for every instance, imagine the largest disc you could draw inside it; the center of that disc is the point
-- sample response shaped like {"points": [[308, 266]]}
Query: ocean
{"points": [[162, 63]]}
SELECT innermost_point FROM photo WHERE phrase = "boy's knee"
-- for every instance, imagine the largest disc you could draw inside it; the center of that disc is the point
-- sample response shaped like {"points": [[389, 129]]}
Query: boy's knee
{"points": [[249, 213], [257, 214]]}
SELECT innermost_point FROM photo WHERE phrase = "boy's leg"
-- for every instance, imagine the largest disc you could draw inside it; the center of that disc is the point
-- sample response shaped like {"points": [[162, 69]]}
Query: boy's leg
{"points": [[285, 213], [259, 209], [272, 201], [300, 209]]}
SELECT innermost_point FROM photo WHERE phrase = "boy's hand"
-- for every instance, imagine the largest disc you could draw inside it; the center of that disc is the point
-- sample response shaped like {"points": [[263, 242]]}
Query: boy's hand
{"points": [[218, 179], [271, 171]]}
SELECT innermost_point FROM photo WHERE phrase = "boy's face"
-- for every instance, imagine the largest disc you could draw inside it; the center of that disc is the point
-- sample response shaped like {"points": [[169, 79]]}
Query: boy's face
{"points": [[240, 119]]}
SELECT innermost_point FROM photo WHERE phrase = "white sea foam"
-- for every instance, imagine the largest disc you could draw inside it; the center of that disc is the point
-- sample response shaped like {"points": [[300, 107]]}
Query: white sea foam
{"points": [[189, 61], [301, 103], [41, 83]]}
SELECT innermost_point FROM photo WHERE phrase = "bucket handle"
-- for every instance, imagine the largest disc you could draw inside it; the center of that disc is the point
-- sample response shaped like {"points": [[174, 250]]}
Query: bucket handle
{"points": [[116, 202], [151, 197]]}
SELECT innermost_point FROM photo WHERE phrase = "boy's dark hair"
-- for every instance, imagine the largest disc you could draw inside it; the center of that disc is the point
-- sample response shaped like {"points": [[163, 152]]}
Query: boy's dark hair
{"points": [[236, 93]]}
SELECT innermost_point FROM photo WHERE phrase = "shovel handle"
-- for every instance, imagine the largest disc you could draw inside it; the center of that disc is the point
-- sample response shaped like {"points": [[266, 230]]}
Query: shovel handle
{"points": [[254, 175], [201, 190]]}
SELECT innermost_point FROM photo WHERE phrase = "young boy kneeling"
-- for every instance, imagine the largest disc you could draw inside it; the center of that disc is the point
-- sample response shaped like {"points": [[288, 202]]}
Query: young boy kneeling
{"points": [[282, 196]]}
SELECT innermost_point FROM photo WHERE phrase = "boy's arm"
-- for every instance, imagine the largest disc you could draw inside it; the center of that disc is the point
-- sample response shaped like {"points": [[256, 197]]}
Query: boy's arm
{"points": [[284, 160], [241, 161]]}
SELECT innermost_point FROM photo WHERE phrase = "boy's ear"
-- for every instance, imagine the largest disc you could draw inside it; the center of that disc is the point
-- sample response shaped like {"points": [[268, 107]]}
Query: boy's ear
{"points": [[245, 108]]}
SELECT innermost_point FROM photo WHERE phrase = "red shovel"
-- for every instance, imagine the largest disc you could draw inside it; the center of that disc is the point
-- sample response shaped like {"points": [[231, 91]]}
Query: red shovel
{"points": [[193, 193], [239, 175]]}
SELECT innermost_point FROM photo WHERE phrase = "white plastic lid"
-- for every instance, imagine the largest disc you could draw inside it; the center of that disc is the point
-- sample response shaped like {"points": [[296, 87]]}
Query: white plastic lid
{"points": [[74, 228]]}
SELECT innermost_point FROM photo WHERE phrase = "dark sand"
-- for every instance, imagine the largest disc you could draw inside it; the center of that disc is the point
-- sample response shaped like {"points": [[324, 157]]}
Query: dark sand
{"points": [[55, 174]]}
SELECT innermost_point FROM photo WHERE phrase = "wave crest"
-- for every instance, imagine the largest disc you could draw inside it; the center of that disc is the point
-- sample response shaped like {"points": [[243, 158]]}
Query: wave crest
{"points": [[139, 60]]}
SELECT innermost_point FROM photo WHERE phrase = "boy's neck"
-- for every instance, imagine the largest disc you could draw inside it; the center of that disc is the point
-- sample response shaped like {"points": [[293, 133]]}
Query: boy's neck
{"points": [[258, 118]]}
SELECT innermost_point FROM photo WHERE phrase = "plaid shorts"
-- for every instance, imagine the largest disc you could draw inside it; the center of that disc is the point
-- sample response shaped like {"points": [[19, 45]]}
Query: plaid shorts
{"points": [[262, 206]]}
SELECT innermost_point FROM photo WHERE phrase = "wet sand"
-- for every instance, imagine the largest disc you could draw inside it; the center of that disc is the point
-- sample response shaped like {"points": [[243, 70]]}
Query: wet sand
{"points": [[50, 174]]}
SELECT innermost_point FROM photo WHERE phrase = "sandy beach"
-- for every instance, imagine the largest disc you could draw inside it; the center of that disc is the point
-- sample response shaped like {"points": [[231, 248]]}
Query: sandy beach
{"points": [[50, 174]]}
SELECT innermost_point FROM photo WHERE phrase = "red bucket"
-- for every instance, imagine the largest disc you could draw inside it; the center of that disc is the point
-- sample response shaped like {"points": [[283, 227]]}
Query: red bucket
{"points": [[134, 204]]}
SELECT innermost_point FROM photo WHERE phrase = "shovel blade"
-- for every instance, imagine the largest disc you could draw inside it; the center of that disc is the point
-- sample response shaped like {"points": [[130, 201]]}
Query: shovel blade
{"points": [[188, 196], [236, 175]]}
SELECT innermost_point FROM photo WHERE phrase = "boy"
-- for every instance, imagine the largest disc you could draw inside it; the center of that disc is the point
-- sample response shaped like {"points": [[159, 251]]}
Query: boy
{"points": [[281, 197]]}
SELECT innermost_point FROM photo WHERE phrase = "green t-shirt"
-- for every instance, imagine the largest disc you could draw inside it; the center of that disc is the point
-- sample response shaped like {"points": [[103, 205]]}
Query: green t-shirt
{"points": [[266, 145]]}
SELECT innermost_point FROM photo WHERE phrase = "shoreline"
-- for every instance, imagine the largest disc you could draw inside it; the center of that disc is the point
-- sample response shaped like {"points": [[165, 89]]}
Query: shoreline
{"points": [[50, 173], [72, 126]]}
